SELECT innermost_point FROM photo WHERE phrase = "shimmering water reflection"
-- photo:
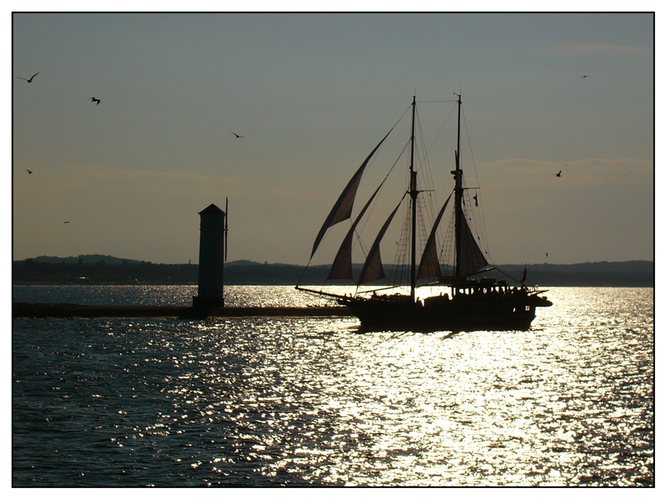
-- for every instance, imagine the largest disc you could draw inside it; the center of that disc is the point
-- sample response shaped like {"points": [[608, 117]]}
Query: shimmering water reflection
{"points": [[298, 401]]}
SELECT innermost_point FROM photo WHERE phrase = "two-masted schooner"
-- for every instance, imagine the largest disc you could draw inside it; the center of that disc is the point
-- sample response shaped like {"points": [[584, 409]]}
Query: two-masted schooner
{"points": [[469, 302]]}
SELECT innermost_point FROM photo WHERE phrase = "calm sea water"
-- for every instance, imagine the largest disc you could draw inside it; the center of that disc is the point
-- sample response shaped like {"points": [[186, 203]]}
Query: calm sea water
{"points": [[311, 401]]}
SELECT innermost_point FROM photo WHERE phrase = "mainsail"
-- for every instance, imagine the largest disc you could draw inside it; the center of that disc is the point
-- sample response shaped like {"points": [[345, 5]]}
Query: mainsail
{"points": [[373, 269], [429, 267], [472, 258], [342, 209]]}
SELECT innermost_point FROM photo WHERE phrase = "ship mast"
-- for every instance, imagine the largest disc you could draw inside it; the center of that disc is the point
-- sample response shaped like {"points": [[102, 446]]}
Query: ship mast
{"points": [[458, 195], [413, 196]]}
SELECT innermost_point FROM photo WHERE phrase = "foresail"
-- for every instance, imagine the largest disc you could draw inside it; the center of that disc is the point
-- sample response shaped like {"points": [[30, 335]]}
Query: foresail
{"points": [[429, 267], [342, 265], [342, 209], [341, 269], [373, 269], [472, 258]]}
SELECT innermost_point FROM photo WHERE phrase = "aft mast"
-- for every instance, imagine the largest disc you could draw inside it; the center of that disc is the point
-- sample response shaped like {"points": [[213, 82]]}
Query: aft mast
{"points": [[413, 196], [458, 196]]}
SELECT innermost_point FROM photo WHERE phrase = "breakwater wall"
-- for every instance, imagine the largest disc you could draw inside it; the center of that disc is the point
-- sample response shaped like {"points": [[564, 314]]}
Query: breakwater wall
{"points": [[42, 310]]}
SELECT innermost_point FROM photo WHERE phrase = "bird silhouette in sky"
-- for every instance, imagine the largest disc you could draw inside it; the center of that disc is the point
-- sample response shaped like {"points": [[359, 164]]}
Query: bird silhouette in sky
{"points": [[96, 100], [584, 76], [559, 172], [29, 171], [29, 80], [66, 222], [238, 136]]}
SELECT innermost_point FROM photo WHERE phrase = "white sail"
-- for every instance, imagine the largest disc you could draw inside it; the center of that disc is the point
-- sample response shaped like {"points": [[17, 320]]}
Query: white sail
{"points": [[429, 266], [342, 264], [373, 269], [472, 258]]}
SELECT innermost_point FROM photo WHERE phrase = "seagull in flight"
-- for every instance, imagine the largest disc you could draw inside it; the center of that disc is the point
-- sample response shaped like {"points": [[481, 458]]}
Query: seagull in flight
{"points": [[238, 136], [96, 100], [559, 172], [584, 76], [29, 171], [66, 222], [29, 80]]}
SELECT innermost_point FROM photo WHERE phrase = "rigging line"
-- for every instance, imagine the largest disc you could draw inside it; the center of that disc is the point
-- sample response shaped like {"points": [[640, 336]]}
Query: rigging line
{"points": [[445, 250], [404, 147], [446, 253], [444, 229], [482, 229], [423, 231], [397, 206], [428, 176], [379, 289], [444, 124], [407, 108], [423, 160], [472, 220], [303, 273], [430, 204], [360, 242], [400, 257], [398, 275], [507, 275], [437, 137], [372, 207], [436, 100], [474, 163], [351, 187]]}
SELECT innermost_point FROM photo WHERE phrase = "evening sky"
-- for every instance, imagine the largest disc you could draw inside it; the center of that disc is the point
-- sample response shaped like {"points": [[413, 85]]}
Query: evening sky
{"points": [[312, 94]]}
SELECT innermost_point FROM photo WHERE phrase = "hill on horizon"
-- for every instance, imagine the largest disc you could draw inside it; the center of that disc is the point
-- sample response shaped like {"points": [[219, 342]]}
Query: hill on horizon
{"points": [[105, 269], [117, 261], [110, 260]]}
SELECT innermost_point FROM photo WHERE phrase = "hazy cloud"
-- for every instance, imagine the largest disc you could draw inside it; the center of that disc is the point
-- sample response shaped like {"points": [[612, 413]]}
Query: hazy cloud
{"points": [[589, 48]]}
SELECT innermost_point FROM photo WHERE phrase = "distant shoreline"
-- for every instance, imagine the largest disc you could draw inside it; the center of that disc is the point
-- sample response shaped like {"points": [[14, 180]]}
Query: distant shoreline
{"points": [[105, 270]]}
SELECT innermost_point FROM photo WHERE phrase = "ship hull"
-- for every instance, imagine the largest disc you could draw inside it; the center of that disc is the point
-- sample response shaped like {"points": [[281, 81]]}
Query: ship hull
{"points": [[440, 313]]}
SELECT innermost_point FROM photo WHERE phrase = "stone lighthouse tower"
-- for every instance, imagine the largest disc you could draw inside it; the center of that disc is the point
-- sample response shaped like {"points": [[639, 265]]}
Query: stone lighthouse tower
{"points": [[212, 256]]}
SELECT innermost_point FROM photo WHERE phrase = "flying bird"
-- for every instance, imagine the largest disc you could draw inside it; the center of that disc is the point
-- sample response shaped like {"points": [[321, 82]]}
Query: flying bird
{"points": [[29, 171], [96, 100], [559, 172], [584, 76], [238, 136], [29, 80], [66, 222]]}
